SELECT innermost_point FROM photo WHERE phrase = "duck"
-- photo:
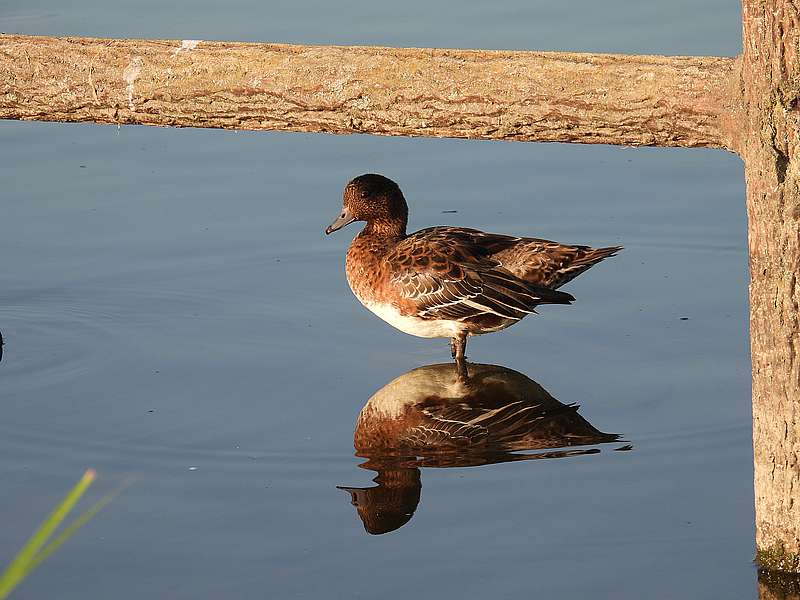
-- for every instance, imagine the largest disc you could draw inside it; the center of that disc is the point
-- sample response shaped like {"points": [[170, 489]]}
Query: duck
{"points": [[430, 417], [449, 282], [433, 414]]}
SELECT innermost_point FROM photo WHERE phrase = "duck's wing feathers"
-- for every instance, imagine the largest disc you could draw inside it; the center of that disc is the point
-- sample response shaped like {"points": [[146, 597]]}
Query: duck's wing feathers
{"points": [[446, 275], [503, 423], [540, 262], [439, 431], [550, 264]]}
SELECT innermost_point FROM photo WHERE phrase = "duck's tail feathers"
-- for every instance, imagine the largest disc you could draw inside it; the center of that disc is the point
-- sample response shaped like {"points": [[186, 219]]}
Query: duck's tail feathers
{"points": [[585, 259], [550, 296]]}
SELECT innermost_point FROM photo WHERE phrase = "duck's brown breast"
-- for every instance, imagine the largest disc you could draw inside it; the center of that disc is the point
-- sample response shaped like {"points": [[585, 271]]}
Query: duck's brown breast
{"points": [[368, 273]]}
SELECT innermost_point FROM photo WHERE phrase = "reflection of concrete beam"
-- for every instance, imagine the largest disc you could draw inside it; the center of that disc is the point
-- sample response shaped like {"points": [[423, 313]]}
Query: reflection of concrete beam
{"points": [[773, 585], [476, 94]]}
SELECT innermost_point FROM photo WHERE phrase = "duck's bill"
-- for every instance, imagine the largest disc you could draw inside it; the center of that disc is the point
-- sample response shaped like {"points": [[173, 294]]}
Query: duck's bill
{"points": [[342, 220]]}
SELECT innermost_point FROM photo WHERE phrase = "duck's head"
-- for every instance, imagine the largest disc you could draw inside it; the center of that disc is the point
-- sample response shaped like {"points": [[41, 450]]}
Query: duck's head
{"points": [[375, 199]]}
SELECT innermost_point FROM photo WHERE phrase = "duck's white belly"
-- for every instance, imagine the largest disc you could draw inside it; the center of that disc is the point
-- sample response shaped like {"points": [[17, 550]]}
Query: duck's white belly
{"points": [[414, 325]]}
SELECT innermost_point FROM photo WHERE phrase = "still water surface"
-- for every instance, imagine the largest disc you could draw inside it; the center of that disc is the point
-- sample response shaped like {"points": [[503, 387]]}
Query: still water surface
{"points": [[175, 317]]}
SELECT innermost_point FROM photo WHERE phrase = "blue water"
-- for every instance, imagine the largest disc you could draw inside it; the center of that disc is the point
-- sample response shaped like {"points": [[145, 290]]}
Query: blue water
{"points": [[175, 318]]}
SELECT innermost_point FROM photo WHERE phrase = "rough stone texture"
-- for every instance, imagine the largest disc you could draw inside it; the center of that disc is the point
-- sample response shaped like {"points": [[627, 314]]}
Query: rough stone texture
{"points": [[771, 90], [530, 96]]}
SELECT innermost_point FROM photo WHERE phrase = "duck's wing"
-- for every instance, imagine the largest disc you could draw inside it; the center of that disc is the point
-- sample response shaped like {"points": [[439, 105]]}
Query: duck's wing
{"points": [[497, 420], [465, 423], [500, 423], [438, 430], [540, 262], [550, 264], [445, 275]]}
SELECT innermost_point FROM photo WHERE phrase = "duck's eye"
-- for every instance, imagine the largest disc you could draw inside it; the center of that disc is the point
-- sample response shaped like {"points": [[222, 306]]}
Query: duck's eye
{"points": [[365, 193]]}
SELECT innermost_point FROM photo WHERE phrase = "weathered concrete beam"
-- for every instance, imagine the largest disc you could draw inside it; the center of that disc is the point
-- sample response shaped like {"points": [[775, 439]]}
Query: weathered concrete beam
{"points": [[771, 136], [476, 94]]}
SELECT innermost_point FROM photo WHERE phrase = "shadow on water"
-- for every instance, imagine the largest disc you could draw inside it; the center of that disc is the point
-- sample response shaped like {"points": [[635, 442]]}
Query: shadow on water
{"points": [[433, 416]]}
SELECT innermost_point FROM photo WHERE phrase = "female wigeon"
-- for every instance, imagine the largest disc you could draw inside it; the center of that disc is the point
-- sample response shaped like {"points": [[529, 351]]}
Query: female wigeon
{"points": [[432, 417], [449, 282], [431, 412]]}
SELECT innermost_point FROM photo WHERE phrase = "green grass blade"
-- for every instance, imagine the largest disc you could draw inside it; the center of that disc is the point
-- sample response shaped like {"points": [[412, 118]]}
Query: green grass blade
{"points": [[70, 529], [20, 566]]}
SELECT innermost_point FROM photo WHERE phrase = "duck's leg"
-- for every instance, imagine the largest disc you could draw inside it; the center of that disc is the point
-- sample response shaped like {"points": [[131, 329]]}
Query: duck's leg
{"points": [[458, 346], [462, 372]]}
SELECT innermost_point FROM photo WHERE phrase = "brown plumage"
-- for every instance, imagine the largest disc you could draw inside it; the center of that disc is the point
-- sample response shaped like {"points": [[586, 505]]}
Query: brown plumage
{"points": [[430, 410], [449, 281], [431, 417]]}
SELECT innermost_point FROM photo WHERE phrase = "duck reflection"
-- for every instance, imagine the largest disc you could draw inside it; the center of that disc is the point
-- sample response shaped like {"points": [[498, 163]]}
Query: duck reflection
{"points": [[438, 416]]}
